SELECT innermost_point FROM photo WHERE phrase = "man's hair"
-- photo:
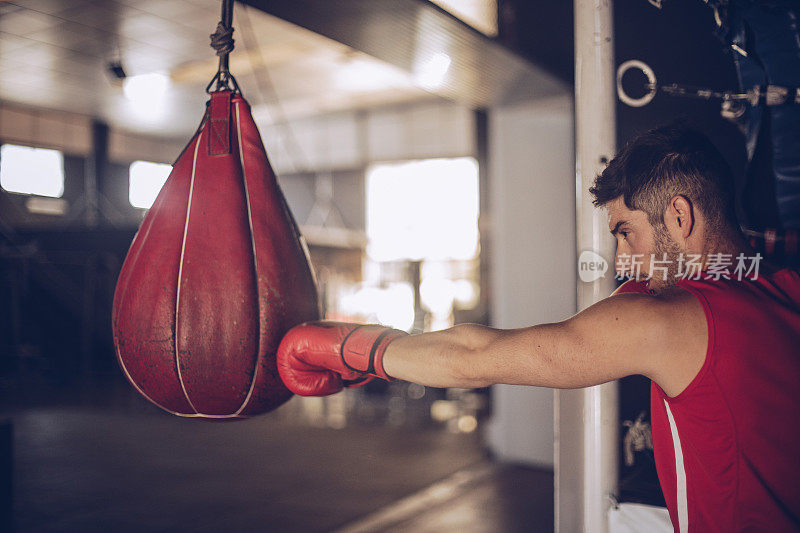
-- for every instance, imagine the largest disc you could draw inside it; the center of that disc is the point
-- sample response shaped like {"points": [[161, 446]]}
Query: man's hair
{"points": [[665, 162]]}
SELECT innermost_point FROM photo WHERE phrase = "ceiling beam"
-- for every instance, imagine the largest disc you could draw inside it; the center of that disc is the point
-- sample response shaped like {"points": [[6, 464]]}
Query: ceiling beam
{"points": [[442, 53]]}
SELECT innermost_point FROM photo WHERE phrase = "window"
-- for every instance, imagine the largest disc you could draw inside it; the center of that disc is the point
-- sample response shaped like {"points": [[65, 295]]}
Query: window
{"points": [[145, 180], [28, 170], [423, 210]]}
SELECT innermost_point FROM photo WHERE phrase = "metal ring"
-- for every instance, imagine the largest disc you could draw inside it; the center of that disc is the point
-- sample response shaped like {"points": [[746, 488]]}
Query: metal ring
{"points": [[651, 79], [224, 80]]}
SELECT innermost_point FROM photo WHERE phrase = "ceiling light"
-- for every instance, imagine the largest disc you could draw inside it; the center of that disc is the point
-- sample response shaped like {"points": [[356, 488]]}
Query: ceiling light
{"points": [[360, 75], [146, 86], [147, 94], [432, 71]]}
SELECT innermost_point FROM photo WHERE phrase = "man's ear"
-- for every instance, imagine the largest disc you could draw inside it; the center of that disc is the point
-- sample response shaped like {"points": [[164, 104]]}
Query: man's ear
{"points": [[679, 217]]}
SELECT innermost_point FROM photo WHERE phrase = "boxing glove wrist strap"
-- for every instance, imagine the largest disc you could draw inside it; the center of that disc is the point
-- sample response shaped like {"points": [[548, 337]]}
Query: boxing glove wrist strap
{"points": [[363, 348]]}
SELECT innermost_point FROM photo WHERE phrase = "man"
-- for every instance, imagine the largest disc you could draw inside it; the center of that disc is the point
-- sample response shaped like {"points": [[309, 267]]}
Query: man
{"points": [[721, 346]]}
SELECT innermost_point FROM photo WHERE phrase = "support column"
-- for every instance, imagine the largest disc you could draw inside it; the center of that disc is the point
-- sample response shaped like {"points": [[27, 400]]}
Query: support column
{"points": [[586, 420], [94, 174]]}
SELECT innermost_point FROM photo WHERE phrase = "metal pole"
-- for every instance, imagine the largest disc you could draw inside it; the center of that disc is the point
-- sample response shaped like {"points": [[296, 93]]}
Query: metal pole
{"points": [[227, 20], [587, 419]]}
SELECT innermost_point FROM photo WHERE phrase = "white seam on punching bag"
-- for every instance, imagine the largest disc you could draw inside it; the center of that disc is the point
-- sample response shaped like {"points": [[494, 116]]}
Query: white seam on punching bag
{"points": [[255, 265], [680, 475], [180, 273], [133, 382]]}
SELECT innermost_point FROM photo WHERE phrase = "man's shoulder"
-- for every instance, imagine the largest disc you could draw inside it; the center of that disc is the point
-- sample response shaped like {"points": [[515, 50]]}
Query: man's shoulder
{"points": [[675, 318]]}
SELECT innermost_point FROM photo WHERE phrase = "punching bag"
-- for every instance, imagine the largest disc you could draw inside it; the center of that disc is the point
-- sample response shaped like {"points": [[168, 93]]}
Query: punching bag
{"points": [[214, 278]]}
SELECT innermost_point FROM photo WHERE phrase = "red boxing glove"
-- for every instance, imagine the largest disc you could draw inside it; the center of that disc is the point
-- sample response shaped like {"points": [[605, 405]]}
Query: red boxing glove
{"points": [[320, 358]]}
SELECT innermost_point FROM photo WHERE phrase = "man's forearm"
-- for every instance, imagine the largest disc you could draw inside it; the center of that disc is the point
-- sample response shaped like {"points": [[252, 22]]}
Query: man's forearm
{"points": [[447, 358], [616, 337], [554, 355]]}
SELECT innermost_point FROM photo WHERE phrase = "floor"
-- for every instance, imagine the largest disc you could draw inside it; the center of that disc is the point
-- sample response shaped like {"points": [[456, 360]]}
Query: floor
{"points": [[108, 462], [486, 497]]}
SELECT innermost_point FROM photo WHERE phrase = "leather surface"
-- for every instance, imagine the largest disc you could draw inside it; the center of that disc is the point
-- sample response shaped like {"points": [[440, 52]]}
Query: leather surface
{"points": [[320, 358], [215, 276]]}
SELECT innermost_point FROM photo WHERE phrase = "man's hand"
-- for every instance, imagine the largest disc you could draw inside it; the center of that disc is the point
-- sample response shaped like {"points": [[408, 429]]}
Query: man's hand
{"points": [[319, 358]]}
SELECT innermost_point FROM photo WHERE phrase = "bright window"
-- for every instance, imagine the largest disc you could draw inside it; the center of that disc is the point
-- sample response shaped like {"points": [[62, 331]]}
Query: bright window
{"points": [[423, 210], [28, 170], [145, 180]]}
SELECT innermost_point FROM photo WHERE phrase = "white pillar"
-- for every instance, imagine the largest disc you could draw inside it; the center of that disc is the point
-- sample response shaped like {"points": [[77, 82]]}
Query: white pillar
{"points": [[586, 420]]}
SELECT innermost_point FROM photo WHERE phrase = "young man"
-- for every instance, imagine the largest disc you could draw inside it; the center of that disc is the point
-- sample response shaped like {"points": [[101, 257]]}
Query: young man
{"points": [[716, 332]]}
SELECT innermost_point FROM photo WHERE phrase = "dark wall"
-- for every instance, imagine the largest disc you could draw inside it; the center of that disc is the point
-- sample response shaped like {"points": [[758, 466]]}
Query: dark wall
{"points": [[679, 44], [540, 30], [678, 41]]}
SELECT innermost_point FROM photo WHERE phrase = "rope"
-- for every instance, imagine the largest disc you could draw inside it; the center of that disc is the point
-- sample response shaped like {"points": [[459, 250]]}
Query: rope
{"points": [[266, 92], [222, 40], [222, 43]]}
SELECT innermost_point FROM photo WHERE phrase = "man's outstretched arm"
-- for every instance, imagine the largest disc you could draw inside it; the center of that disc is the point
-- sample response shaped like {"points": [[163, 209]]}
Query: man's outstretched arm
{"points": [[661, 337]]}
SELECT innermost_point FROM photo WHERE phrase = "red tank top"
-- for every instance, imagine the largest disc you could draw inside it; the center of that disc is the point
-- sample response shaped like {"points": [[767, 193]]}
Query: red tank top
{"points": [[727, 448]]}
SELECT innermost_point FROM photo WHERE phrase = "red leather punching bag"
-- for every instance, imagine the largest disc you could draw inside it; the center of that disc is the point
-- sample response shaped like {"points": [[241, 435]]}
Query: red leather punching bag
{"points": [[215, 276]]}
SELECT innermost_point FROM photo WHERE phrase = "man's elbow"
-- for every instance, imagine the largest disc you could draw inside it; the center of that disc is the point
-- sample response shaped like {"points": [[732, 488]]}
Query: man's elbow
{"points": [[471, 365]]}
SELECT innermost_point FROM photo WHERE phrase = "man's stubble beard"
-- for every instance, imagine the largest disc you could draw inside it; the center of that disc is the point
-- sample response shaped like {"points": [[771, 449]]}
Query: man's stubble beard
{"points": [[664, 249]]}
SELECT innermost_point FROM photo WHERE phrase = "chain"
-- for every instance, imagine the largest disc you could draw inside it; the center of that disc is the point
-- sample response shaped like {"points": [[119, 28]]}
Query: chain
{"points": [[732, 102]]}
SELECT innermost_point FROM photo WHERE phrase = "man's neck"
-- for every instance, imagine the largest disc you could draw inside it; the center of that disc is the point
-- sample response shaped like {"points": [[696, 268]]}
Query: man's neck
{"points": [[724, 246], [733, 250]]}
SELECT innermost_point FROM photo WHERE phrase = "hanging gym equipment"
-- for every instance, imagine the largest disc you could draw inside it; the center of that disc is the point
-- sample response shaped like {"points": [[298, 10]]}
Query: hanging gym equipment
{"points": [[218, 271]]}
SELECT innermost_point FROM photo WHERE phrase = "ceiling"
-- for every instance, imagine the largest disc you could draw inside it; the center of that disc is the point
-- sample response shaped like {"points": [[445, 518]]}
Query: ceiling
{"points": [[54, 54], [434, 43]]}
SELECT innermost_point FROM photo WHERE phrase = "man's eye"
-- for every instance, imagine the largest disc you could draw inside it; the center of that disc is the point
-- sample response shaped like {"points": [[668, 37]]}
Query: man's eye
{"points": [[624, 235]]}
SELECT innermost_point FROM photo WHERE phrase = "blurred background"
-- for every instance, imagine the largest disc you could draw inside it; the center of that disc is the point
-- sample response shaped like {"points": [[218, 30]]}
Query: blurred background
{"points": [[426, 150]]}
